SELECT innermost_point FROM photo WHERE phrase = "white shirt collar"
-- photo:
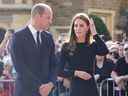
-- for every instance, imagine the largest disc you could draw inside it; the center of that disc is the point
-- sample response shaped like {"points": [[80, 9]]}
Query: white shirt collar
{"points": [[32, 29], [34, 32]]}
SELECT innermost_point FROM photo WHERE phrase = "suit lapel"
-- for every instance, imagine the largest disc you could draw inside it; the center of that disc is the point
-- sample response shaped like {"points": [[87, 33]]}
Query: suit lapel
{"points": [[44, 43], [30, 37]]}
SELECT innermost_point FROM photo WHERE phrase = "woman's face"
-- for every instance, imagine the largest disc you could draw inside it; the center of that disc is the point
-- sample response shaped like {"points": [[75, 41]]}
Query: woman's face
{"points": [[80, 28]]}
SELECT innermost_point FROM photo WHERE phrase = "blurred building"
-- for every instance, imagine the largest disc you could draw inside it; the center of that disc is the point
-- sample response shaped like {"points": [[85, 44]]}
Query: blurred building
{"points": [[16, 13]]}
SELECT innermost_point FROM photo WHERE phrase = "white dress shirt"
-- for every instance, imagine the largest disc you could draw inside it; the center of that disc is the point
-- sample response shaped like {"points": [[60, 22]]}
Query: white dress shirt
{"points": [[34, 32]]}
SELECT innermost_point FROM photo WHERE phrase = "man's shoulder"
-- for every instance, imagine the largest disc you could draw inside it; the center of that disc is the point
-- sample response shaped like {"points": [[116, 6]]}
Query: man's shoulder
{"points": [[48, 34], [21, 31], [25, 28]]}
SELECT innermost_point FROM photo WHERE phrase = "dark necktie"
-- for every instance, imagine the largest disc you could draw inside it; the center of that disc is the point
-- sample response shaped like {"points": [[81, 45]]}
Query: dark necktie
{"points": [[38, 39]]}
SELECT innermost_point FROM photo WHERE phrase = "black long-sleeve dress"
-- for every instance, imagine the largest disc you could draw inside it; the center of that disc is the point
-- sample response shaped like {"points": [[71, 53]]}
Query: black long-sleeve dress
{"points": [[82, 59]]}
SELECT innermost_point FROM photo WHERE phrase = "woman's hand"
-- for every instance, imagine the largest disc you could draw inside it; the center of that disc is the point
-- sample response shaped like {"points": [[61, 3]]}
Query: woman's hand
{"points": [[83, 75], [45, 89], [92, 27]]}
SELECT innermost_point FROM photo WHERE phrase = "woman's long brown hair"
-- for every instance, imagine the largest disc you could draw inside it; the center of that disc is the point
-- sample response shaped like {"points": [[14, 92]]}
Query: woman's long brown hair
{"points": [[73, 38]]}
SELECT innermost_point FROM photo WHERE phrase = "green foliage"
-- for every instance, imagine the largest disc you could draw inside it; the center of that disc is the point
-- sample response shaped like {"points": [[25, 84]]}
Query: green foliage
{"points": [[101, 27]]}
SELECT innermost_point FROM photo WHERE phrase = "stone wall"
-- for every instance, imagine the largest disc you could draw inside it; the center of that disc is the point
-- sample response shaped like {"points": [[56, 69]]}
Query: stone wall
{"points": [[63, 12], [65, 9]]}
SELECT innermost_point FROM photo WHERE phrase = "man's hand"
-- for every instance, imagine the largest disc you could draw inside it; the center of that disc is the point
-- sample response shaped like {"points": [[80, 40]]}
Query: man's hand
{"points": [[45, 89], [83, 75]]}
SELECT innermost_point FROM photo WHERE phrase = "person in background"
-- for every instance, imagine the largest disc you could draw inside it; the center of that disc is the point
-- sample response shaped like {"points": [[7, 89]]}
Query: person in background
{"points": [[78, 56], [33, 54], [120, 72], [121, 54], [1, 68], [113, 52], [103, 69], [4, 42], [2, 33]]}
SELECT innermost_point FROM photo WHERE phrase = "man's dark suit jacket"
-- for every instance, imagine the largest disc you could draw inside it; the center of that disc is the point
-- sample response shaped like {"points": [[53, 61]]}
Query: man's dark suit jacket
{"points": [[34, 66]]}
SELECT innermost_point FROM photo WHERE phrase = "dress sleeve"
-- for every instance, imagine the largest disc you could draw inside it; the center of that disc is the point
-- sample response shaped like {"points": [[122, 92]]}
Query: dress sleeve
{"points": [[64, 68], [99, 46]]}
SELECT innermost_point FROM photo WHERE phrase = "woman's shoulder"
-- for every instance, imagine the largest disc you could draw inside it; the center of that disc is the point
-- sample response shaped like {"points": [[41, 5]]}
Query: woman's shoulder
{"points": [[65, 48], [66, 44], [93, 44]]}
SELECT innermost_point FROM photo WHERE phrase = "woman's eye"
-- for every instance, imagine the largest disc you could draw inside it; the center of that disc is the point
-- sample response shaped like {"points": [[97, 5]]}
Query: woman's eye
{"points": [[81, 25], [75, 25]]}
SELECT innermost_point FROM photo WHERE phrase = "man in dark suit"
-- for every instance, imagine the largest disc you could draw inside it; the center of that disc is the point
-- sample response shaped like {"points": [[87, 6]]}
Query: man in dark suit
{"points": [[32, 52]]}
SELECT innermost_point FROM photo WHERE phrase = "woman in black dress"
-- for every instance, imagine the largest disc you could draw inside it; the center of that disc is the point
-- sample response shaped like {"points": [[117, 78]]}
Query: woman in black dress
{"points": [[78, 55]]}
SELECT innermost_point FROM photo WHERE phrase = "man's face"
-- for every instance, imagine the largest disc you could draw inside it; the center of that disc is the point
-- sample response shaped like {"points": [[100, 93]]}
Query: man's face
{"points": [[45, 20]]}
